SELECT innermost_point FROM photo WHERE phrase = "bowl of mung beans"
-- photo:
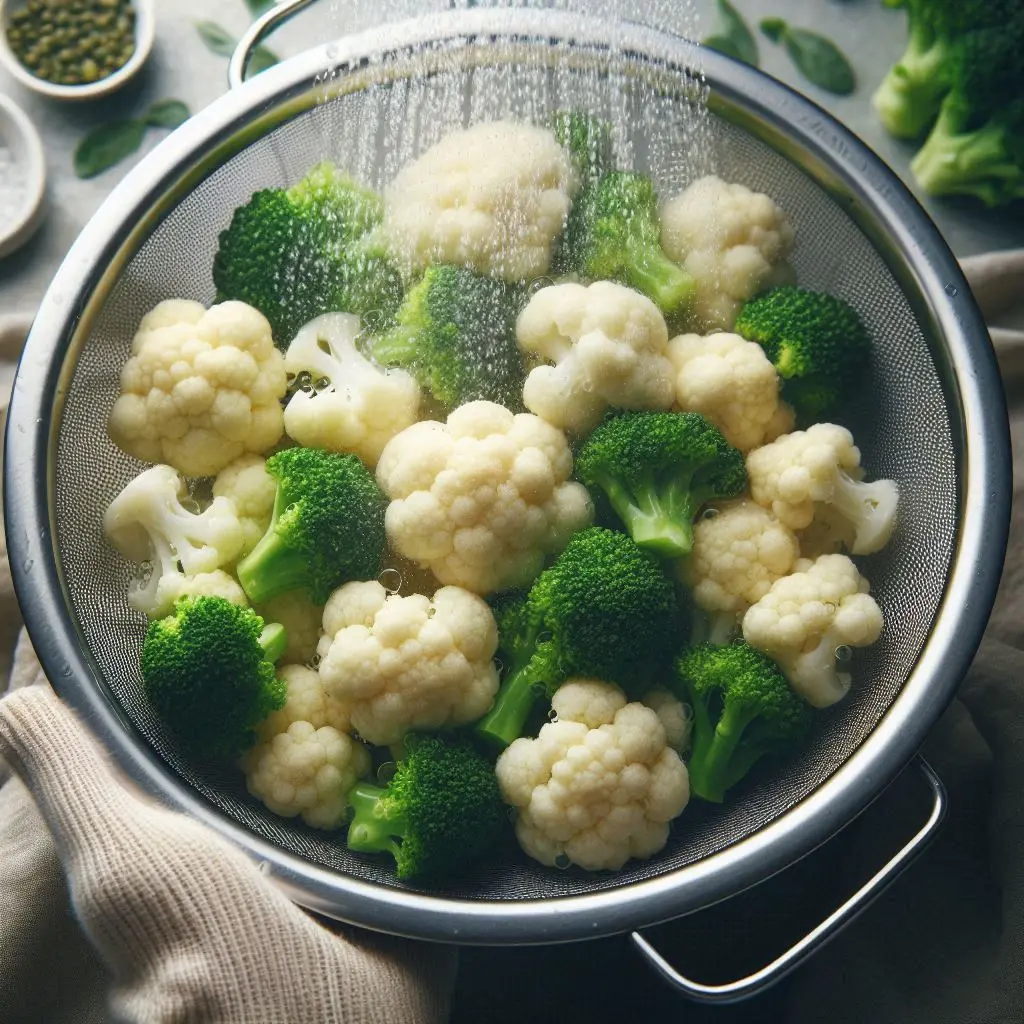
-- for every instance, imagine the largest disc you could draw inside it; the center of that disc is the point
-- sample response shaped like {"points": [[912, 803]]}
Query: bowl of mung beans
{"points": [[75, 49]]}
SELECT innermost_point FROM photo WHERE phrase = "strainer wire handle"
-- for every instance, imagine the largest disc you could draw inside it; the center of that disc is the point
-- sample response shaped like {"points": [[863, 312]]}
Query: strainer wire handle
{"points": [[282, 11], [745, 988]]}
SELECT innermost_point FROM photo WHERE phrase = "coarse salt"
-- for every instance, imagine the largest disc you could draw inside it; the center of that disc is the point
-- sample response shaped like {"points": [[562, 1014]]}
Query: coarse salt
{"points": [[12, 186]]}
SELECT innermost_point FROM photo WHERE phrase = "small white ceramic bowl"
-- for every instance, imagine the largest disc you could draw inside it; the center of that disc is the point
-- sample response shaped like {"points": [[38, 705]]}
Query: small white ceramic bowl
{"points": [[145, 31], [21, 141]]}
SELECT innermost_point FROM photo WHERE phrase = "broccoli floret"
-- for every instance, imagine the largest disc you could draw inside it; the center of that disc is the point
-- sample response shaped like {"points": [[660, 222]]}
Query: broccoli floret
{"points": [[976, 147], [817, 343], [208, 670], [298, 253], [327, 527], [657, 469], [908, 99], [743, 710], [613, 234], [589, 142], [456, 333], [603, 610], [441, 810]]}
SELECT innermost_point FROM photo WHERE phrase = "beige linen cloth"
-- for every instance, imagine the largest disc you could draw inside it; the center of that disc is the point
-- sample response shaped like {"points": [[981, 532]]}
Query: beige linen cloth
{"points": [[112, 908]]}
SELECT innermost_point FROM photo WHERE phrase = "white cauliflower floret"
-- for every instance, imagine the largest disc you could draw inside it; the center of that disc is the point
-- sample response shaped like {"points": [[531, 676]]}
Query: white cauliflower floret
{"points": [[302, 619], [737, 555], [734, 243], [360, 407], [201, 387], [306, 771], [253, 490], [798, 474], [676, 717], [731, 382], [404, 663], [608, 345], [493, 197], [172, 586], [806, 616], [148, 523], [483, 499], [307, 700], [596, 787]]}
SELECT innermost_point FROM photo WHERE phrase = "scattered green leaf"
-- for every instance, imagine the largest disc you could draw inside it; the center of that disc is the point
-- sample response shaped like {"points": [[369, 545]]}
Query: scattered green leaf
{"points": [[261, 59], [723, 44], [108, 145], [737, 30], [217, 39], [818, 59], [259, 7], [167, 114]]}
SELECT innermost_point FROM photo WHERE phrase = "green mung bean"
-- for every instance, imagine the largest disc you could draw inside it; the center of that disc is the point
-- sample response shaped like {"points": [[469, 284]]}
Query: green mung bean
{"points": [[73, 43]]}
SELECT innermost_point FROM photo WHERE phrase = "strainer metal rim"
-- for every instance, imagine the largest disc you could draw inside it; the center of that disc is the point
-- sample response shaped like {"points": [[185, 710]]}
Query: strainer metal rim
{"points": [[866, 188]]}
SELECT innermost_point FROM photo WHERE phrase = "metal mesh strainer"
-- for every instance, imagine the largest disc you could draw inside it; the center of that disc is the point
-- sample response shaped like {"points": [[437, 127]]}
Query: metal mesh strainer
{"points": [[932, 422]]}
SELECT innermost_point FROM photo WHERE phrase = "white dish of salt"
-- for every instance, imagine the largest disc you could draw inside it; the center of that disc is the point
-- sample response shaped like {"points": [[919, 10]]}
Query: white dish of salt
{"points": [[22, 177]]}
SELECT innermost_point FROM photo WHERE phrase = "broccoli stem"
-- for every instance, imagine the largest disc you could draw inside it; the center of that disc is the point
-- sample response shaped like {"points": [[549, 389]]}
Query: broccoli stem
{"points": [[274, 640], [715, 762], [271, 568], [658, 519], [373, 829], [651, 272], [512, 706], [909, 97]]}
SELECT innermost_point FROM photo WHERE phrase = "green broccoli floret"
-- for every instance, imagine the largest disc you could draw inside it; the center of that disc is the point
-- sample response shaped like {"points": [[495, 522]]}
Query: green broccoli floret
{"points": [[976, 147], [589, 142], [817, 343], [910, 95], [208, 670], [613, 234], [298, 253], [603, 610], [657, 469], [456, 333], [327, 527], [743, 710], [441, 810]]}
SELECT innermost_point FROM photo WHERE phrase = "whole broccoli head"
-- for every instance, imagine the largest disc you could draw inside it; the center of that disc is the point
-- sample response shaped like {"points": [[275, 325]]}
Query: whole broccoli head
{"points": [[817, 343], [603, 610], [614, 234], [441, 810], [298, 253], [456, 333], [327, 527], [208, 670], [743, 710], [976, 146], [657, 469]]}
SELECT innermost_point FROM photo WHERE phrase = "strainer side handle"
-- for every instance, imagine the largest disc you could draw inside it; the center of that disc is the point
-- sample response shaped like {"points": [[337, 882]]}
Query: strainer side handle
{"points": [[759, 981], [282, 11]]}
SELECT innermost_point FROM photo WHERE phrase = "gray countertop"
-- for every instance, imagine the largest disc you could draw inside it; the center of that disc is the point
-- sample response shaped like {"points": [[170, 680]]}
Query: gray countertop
{"points": [[181, 67]]}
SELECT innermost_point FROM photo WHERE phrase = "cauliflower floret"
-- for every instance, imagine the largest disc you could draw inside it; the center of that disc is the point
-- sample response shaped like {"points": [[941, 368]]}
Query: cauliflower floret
{"points": [[306, 771], [361, 407], [734, 242], [676, 718], [403, 663], [483, 499], [493, 197], [149, 524], [806, 616], [201, 387], [800, 472], [302, 619], [731, 382], [253, 490], [307, 700], [737, 555], [172, 586], [596, 787], [609, 347]]}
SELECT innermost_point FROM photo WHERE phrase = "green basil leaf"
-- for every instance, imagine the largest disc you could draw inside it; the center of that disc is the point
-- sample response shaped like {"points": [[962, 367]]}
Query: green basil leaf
{"points": [[261, 59], [259, 7], [820, 61], [167, 114], [738, 33], [217, 39], [774, 29], [106, 146], [723, 44]]}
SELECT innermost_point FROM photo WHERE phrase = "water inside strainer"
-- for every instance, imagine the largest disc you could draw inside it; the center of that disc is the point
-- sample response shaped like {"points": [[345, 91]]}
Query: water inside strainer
{"points": [[903, 428]]}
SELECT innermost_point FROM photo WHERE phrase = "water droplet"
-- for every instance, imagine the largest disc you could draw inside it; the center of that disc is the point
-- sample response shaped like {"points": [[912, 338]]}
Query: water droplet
{"points": [[709, 513], [552, 715], [687, 712], [321, 384], [562, 862], [27, 565], [843, 654], [191, 505], [951, 290], [373, 319], [538, 283], [332, 51], [386, 772], [314, 662], [391, 580], [264, 867]]}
